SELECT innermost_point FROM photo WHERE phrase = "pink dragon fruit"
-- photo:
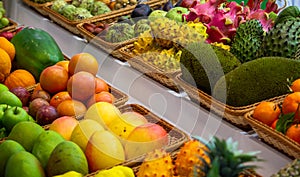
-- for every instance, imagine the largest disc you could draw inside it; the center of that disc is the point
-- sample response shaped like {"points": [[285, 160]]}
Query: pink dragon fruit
{"points": [[222, 18]]}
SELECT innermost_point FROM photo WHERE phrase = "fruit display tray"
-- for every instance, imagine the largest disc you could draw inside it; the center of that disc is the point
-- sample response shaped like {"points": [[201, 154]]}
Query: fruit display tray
{"points": [[273, 137], [234, 115], [165, 78], [12, 26], [176, 136], [99, 40], [71, 24], [39, 7]]}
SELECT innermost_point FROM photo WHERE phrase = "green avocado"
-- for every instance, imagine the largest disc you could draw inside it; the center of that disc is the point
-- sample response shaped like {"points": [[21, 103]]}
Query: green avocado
{"points": [[256, 80], [36, 49]]}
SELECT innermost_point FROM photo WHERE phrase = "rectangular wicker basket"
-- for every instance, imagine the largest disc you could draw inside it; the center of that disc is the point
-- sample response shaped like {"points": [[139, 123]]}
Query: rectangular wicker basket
{"points": [[99, 40], [71, 24], [12, 26], [165, 78], [273, 137], [39, 7], [235, 115], [176, 137]]}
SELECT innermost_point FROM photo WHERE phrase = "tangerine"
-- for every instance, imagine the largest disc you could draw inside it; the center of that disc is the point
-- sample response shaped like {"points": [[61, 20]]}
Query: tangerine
{"points": [[101, 85], [64, 64], [266, 112], [71, 108], [291, 104], [101, 97], [83, 62], [273, 125], [54, 79], [293, 132], [295, 86], [5, 65], [8, 47], [59, 97]]}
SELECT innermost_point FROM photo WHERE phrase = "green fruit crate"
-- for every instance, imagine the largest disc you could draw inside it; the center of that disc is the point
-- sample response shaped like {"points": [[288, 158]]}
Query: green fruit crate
{"points": [[163, 77], [12, 26], [176, 136], [71, 24], [273, 137], [99, 40], [234, 115]]}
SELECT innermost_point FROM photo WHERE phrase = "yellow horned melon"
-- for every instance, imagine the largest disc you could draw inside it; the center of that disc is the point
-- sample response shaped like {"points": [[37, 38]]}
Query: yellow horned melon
{"points": [[5, 65]]}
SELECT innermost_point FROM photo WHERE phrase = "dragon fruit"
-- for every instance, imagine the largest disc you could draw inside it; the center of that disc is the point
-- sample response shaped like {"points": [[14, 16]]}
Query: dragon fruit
{"points": [[222, 18]]}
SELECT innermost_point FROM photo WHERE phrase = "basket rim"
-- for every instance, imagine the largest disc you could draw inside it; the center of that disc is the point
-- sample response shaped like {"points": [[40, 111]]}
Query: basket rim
{"points": [[36, 5], [276, 135], [13, 25]]}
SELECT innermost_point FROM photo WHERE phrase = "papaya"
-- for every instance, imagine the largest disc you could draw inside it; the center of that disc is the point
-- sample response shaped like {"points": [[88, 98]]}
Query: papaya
{"points": [[35, 49], [256, 80]]}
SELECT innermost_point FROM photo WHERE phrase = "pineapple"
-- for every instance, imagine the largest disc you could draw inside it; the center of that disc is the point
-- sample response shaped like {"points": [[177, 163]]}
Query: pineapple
{"points": [[218, 158], [292, 169], [157, 163]]}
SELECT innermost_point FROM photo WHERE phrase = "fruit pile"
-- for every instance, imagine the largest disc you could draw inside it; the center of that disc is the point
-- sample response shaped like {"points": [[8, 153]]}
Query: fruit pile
{"points": [[283, 117], [4, 21], [199, 158]]}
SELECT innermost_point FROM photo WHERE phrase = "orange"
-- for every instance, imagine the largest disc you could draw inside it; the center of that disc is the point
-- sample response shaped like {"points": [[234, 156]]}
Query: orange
{"points": [[19, 78], [71, 108], [101, 85], [8, 47], [295, 86], [81, 86], [64, 64], [291, 104], [83, 62], [293, 132], [5, 65], [273, 125], [101, 97], [54, 79], [266, 112], [59, 97]]}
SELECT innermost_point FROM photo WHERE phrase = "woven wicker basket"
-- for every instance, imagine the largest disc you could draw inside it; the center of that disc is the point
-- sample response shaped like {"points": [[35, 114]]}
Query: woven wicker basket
{"points": [[12, 26], [165, 78], [235, 115], [273, 137], [100, 41], [176, 137], [39, 7], [71, 24]]}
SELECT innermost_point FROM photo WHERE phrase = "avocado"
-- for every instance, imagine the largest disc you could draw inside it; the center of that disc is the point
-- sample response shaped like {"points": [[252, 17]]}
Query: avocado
{"points": [[203, 64], [256, 80], [24, 164]]}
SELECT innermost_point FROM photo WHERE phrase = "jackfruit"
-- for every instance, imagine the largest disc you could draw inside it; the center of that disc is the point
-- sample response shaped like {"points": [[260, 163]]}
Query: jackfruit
{"points": [[203, 64], [256, 80]]}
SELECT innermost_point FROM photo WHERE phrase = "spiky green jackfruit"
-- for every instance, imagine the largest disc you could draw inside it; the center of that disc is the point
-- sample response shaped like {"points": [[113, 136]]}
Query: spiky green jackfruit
{"points": [[247, 40], [203, 64], [256, 80]]}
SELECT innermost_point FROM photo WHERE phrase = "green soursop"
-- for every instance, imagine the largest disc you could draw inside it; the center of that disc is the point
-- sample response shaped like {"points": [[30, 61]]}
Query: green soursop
{"points": [[203, 64], [247, 40], [282, 40], [297, 54], [141, 26], [68, 11], [81, 13], [58, 5], [119, 32], [100, 8]]}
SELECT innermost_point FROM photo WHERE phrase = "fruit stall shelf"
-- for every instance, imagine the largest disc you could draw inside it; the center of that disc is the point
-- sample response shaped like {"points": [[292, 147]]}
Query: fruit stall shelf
{"points": [[39, 7], [71, 24], [175, 108], [99, 39]]}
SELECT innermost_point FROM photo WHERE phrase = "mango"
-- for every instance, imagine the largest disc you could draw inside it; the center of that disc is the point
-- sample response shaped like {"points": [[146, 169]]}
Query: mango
{"points": [[24, 164]]}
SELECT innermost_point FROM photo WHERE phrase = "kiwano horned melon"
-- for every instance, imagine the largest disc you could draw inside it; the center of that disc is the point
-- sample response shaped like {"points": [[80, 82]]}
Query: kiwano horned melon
{"points": [[203, 64], [256, 80], [36, 49]]}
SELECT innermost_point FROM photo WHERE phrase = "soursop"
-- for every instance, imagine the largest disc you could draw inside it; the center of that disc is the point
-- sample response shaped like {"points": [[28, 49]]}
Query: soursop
{"points": [[100, 8], [282, 40], [141, 26], [119, 32], [247, 40]]}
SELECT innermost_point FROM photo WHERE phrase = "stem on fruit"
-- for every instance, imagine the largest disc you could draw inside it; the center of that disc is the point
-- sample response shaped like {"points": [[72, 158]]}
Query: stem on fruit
{"points": [[16, 111]]}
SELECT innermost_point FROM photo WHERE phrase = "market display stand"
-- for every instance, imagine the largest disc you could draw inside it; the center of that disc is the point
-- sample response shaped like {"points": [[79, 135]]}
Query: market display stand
{"points": [[176, 108]]}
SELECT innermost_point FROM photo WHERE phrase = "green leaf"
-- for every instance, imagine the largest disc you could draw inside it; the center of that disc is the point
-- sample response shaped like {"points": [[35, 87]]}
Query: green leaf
{"points": [[284, 122]]}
